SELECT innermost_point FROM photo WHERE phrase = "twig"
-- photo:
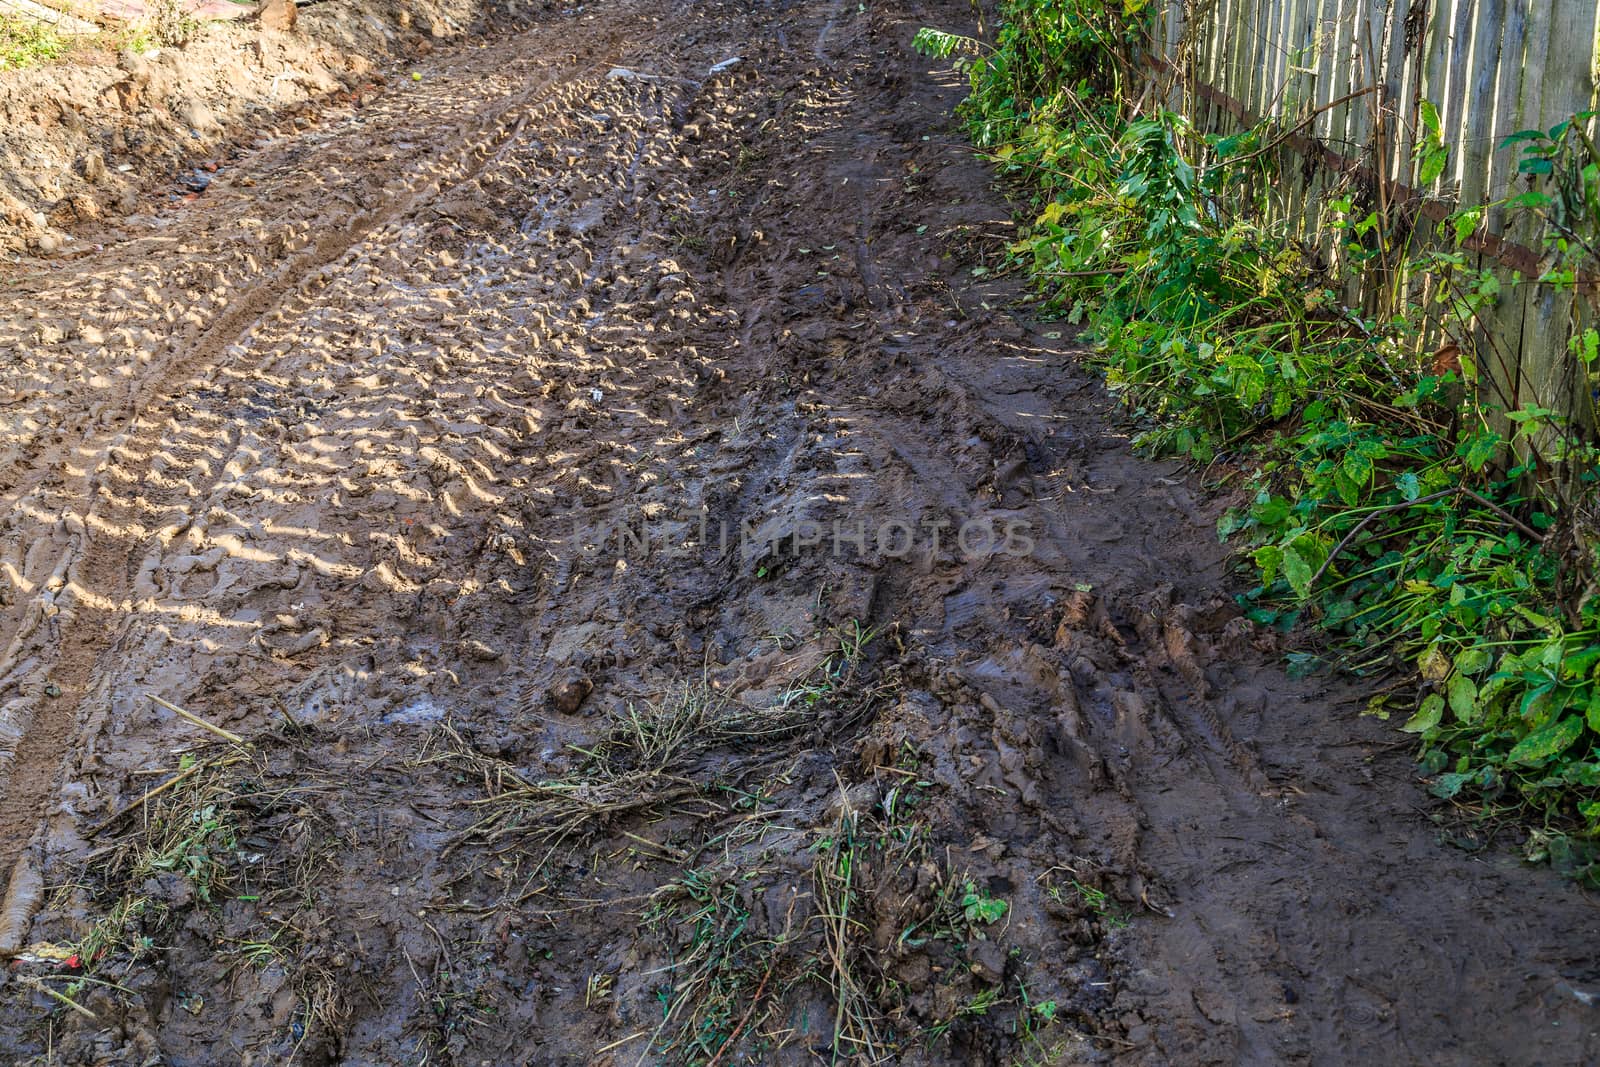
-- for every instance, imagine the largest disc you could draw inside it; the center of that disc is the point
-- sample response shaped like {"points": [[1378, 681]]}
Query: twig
{"points": [[761, 988], [1362, 525], [619, 1042], [674, 853], [1301, 124], [744, 1020], [1503, 513], [62, 997], [227, 735], [151, 794]]}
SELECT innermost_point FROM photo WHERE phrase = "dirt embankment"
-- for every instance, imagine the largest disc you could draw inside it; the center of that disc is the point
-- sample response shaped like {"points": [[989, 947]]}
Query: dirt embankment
{"points": [[675, 608], [116, 129]]}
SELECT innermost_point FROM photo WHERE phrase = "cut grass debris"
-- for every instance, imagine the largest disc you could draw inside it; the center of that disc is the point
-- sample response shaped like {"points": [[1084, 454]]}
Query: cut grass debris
{"points": [[200, 840], [858, 1025], [644, 762], [725, 981], [651, 757]]}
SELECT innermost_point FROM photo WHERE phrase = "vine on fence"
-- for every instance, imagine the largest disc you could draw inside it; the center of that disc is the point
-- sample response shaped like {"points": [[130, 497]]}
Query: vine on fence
{"points": [[1388, 494]]}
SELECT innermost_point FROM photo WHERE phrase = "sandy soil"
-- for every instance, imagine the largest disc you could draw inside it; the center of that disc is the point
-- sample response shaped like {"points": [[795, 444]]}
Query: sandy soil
{"points": [[112, 127], [406, 454]]}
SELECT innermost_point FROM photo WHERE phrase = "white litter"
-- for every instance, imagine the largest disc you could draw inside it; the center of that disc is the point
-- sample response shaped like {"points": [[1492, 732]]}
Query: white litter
{"points": [[725, 64]]}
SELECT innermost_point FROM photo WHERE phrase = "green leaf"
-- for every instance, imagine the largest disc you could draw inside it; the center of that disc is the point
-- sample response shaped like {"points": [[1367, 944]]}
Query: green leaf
{"points": [[1357, 467], [1551, 739], [1532, 201], [1522, 135], [1273, 511], [1546, 623], [1349, 489], [979, 908], [1427, 716], [1586, 775], [1430, 116], [1269, 558], [1408, 485], [1463, 694], [1297, 571], [1481, 449], [1579, 664]]}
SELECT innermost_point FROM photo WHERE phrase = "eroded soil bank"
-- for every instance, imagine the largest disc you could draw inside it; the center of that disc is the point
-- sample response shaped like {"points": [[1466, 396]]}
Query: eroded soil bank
{"points": [[674, 612], [120, 122]]}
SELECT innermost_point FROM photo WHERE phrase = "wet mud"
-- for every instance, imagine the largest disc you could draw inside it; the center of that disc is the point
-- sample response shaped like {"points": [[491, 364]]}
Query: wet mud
{"points": [[673, 610]]}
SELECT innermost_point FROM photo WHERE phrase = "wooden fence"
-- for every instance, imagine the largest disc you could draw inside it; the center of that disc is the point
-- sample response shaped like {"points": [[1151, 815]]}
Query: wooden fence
{"points": [[1346, 79]]}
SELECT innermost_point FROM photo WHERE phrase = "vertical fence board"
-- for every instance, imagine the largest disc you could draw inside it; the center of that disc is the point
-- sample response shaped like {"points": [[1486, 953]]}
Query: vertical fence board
{"points": [[1490, 67], [1474, 133]]}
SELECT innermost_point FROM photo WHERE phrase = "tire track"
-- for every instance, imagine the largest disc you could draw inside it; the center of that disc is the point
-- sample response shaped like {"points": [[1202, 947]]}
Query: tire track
{"points": [[82, 610]]}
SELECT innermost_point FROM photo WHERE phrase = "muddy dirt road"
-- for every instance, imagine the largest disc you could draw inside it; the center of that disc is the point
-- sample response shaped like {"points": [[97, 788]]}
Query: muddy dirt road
{"points": [[674, 612]]}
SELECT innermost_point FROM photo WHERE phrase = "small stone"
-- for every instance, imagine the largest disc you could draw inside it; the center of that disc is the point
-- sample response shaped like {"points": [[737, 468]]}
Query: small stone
{"points": [[169, 888], [570, 691], [92, 166], [987, 960], [479, 651], [75, 208]]}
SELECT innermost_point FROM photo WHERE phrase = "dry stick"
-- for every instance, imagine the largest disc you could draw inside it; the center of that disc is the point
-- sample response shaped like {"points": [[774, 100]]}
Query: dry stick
{"points": [[622, 1041], [151, 794], [745, 1018], [673, 853], [1344, 541], [1502, 512], [1301, 124], [226, 735]]}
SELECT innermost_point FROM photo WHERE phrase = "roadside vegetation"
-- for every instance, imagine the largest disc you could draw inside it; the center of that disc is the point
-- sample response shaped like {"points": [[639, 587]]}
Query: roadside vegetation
{"points": [[1390, 497], [24, 43]]}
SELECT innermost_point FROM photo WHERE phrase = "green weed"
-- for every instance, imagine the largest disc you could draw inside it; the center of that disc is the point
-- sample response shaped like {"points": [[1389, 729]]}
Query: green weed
{"points": [[24, 43]]}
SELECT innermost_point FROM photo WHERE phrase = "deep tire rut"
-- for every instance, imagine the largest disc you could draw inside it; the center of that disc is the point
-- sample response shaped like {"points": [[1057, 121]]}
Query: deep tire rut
{"points": [[98, 577]]}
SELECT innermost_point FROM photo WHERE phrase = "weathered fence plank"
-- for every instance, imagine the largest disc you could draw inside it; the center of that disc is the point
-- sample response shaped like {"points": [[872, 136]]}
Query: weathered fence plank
{"points": [[1349, 78]]}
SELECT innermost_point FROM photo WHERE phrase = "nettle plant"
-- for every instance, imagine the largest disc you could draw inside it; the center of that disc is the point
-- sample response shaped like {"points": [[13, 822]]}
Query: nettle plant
{"points": [[1421, 525]]}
